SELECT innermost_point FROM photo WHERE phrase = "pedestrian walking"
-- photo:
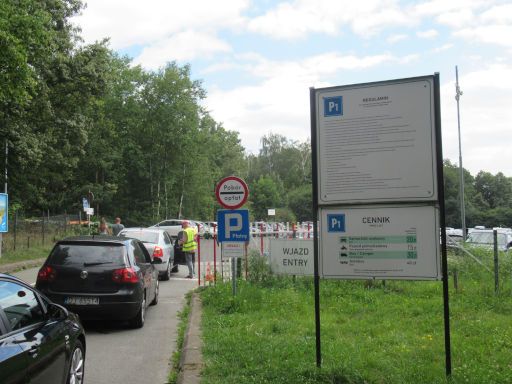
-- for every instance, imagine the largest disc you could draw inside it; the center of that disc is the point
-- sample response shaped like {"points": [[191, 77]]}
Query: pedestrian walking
{"points": [[117, 227], [189, 246]]}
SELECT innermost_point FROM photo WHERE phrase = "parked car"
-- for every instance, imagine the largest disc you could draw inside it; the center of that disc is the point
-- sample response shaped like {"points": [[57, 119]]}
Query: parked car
{"points": [[40, 341], [159, 245], [101, 277], [485, 238], [174, 226]]}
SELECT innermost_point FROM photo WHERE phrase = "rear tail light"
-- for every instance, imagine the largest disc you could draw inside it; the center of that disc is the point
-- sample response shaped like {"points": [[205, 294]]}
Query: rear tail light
{"points": [[125, 275], [46, 273], [158, 252]]}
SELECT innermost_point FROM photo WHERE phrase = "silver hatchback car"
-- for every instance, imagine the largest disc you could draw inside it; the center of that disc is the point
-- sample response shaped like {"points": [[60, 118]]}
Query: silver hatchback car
{"points": [[159, 245]]}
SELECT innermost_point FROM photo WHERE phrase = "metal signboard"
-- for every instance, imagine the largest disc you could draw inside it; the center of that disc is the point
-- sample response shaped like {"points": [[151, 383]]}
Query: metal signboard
{"points": [[376, 142], [292, 257], [4, 212], [388, 242], [233, 249], [85, 203], [233, 225], [232, 192]]}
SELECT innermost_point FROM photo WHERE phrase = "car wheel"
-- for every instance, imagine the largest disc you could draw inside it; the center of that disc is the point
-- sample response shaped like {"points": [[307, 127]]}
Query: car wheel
{"points": [[175, 268], [157, 290], [138, 320], [167, 274], [76, 365]]}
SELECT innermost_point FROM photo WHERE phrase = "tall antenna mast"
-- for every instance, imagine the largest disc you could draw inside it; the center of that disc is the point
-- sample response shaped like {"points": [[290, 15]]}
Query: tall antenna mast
{"points": [[458, 94]]}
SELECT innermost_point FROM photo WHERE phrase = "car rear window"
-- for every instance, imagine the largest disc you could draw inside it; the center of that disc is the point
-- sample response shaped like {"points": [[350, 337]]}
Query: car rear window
{"points": [[87, 254], [145, 236]]}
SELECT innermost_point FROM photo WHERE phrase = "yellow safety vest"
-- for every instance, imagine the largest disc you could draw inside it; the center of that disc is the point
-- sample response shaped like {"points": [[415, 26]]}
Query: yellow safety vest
{"points": [[191, 244]]}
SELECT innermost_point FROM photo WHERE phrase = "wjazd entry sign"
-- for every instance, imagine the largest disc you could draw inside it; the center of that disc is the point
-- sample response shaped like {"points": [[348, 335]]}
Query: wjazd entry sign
{"points": [[292, 257]]}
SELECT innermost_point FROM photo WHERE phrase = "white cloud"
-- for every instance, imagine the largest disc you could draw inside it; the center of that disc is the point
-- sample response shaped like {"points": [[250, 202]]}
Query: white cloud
{"points": [[431, 33], [443, 48], [296, 19], [131, 22], [501, 14], [396, 38], [183, 46], [495, 34]]}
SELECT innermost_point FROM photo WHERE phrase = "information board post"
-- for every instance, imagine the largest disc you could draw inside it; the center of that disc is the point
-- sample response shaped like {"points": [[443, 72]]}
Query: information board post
{"points": [[444, 256], [314, 161]]}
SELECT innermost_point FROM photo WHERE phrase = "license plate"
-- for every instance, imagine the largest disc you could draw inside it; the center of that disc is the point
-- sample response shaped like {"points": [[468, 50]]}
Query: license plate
{"points": [[79, 300]]}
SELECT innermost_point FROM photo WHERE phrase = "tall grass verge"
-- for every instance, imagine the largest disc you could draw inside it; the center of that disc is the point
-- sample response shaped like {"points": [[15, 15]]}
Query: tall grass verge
{"points": [[370, 332]]}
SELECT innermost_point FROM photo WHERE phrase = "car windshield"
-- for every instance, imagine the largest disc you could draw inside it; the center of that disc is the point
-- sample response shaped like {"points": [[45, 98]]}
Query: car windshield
{"points": [[486, 238], [145, 236], [87, 254]]}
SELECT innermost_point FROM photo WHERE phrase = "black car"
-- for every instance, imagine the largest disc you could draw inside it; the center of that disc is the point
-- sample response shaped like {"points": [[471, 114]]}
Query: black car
{"points": [[101, 277], [40, 342]]}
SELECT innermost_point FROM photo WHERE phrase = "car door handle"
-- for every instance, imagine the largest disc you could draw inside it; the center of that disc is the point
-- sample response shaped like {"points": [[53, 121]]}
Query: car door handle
{"points": [[33, 351]]}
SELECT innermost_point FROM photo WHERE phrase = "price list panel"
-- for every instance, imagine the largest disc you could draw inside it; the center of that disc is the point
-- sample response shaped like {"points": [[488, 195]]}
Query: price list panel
{"points": [[391, 242]]}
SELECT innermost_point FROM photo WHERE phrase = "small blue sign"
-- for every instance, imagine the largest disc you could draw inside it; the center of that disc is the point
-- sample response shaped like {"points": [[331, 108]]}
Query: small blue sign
{"points": [[333, 106], [4, 212], [336, 223], [233, 225]]}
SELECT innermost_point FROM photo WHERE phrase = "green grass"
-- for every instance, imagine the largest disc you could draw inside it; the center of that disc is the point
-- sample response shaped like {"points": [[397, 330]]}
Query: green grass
{"points": [[184, 316], [24, 254], [370, 333]]}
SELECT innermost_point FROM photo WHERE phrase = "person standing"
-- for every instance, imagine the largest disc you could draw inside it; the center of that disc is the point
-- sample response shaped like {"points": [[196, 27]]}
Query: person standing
{"points": [[117, 227], [189, 246], [104, 229]]}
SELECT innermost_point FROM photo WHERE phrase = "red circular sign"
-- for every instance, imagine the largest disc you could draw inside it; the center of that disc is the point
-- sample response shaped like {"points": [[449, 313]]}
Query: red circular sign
{"points": [[232, 192]]}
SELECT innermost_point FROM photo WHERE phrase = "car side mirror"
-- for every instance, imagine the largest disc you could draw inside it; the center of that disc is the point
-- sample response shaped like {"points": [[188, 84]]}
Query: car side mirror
{"points": [[57, 312]]}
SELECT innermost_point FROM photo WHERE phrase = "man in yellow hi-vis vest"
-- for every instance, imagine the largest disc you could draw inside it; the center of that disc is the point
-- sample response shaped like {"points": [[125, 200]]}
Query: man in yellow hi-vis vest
{"points": [[189, 246]]}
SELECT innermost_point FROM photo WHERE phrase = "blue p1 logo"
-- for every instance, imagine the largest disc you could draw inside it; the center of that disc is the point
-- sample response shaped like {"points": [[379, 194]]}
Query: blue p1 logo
{"points": [[333, 106], [336, 223]]}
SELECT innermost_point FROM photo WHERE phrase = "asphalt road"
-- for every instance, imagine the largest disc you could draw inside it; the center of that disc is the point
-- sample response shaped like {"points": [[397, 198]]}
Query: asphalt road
{"points": [[118, 354]]}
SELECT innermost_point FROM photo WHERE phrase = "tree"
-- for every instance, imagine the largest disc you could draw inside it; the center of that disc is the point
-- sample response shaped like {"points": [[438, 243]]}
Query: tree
{"points": [[266, 193]]}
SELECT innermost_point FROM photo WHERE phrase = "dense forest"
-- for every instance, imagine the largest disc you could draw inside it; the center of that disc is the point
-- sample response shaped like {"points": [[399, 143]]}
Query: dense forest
{"points": [[79, 120]]}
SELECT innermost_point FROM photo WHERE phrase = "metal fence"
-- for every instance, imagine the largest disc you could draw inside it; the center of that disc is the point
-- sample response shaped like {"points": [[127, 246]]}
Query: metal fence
{"points": [[29, 231]]}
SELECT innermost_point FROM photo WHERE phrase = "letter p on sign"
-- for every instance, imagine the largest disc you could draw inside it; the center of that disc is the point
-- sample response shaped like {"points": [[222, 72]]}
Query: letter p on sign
{"points": [[232, 223]]}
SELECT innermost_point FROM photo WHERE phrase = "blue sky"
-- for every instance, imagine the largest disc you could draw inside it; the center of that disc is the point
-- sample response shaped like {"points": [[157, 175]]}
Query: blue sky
{"points": [[257, 59]]}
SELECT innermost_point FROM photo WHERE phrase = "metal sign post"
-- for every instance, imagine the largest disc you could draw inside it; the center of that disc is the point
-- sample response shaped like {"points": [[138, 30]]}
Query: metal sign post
{"points": [[233, 230]]}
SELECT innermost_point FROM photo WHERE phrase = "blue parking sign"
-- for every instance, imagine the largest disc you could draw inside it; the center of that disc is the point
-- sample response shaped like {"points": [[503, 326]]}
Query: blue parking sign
{"points": [[333, 106], [233, 225], [4, 212]]}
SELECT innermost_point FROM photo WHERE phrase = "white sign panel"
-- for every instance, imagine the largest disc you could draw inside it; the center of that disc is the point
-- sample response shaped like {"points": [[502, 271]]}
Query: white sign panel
{"points": [[233, 249], [387, 242], [292, 257], [89, 211], [271, 212], [376, 142]]}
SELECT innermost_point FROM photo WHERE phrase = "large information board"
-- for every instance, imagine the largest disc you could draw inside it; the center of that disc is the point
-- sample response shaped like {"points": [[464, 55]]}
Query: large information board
{"points": [[376, 142], [380, 242]]}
